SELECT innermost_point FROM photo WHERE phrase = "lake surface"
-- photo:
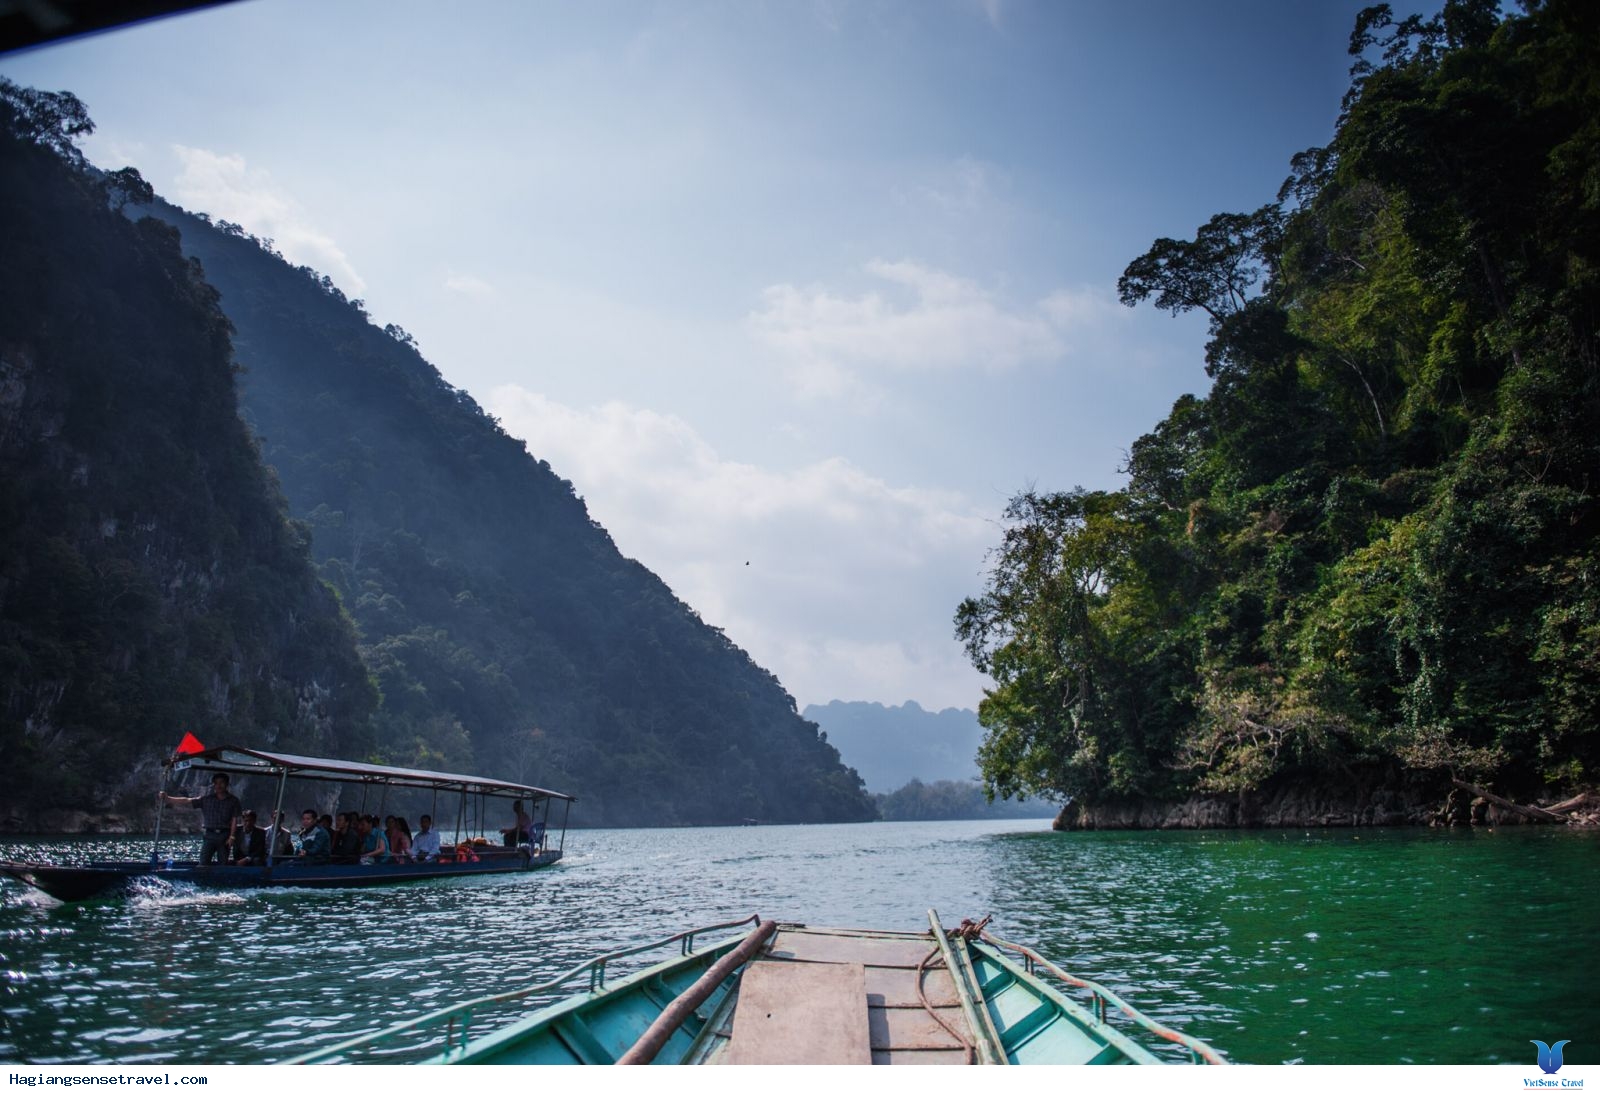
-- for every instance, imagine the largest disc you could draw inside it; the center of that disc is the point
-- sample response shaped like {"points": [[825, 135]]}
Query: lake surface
{"points": [[1369, 946]]}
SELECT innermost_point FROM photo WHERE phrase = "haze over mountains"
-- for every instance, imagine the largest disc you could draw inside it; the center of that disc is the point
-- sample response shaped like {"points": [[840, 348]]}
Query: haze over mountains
{"points": [[920, 765], [890, 746], [500, 625]]}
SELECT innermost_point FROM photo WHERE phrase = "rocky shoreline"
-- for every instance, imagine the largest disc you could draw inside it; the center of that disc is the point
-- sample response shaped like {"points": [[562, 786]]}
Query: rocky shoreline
{"points": [[84, 823], [1411, 799], [1355, 800]]}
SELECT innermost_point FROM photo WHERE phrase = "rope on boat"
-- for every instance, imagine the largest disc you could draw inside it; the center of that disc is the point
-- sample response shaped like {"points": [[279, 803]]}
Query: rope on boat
{"points": [[1195, 1046], [927, 1006], [970, 929]]}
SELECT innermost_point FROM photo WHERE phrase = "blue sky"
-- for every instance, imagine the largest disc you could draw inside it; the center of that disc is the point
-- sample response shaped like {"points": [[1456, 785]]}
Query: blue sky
{"points": [[810, 285]]}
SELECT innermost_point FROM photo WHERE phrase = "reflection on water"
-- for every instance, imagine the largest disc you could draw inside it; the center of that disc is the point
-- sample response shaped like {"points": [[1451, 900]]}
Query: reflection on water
{"points": [[1377, 946]]}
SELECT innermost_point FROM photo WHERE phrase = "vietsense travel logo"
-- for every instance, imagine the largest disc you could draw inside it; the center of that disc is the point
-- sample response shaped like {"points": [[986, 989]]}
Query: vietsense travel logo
{"points": [[1549, 1059]]}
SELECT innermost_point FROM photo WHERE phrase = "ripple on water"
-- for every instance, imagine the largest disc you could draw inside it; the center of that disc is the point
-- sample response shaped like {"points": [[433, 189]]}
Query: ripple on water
{"points": [[1244, 928]]}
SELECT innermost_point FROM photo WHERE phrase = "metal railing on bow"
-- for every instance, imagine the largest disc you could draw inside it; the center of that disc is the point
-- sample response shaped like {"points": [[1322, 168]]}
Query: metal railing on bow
{"points": [[417, 1034], [1198, 1051]]}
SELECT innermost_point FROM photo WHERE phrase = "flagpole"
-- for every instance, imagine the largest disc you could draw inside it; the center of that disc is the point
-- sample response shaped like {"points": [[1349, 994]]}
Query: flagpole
{"points": [[190, 744], [161, 809]]}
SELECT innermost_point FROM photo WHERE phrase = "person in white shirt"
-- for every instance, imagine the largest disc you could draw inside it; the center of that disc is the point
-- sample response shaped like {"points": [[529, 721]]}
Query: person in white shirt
{"points": [[425, 844]]}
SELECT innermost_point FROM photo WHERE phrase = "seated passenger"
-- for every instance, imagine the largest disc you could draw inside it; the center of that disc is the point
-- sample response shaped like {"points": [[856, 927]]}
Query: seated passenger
{"points": [[282, 841], [374, 849], [249, 842], [520, 831], [347, 847], [400, 840], [425, 845], [313, 839]]}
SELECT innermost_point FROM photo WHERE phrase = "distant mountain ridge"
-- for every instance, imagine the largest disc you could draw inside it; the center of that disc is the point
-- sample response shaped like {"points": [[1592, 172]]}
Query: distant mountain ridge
{"points": [[890, 746]]}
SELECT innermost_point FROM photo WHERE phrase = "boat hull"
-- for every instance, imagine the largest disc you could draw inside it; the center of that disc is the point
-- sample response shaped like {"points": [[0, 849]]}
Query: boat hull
{"points": [[106, 879], [910, 1007]]}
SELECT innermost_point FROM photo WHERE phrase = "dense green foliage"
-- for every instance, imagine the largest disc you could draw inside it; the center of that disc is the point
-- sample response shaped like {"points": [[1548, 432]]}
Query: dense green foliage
{"points": [[953, 800], [1375, 541], [150, 581], [506, 632]]}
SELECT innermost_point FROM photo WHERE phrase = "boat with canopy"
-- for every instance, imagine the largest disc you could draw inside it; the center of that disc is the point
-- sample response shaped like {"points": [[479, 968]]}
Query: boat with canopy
{"points": [[795, 994], [468, 798]]}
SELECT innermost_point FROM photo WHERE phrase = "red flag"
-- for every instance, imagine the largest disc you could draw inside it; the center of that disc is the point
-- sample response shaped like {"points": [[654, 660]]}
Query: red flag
{"points": [[189, 744]]}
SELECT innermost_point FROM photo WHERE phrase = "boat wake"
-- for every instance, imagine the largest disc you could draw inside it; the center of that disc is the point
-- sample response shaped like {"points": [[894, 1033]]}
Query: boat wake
{"points": [[154, 894], [26, 897]]}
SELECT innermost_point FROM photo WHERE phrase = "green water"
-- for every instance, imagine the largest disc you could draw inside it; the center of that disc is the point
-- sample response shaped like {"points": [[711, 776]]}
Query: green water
{"points": [[1377, 946]]}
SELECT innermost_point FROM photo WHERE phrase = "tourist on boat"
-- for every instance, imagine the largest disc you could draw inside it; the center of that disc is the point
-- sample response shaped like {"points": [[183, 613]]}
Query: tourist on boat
{"points": [[521, 830], [400, 840], [347, 849], [374, 849], [353, 834], [219, 811], [425, 845], [282, 841], [249, 842], [314, 846]]}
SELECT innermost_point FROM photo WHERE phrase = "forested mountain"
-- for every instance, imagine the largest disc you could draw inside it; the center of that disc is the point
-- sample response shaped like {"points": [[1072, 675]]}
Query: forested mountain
{"points": [[152, 582], [503, 628], [150, 579], [890, 746], [1369, 555]]}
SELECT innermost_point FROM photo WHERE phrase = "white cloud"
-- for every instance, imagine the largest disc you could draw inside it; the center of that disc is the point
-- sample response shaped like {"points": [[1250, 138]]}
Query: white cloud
{"points": [[928, 319], [965, 186], [467, 285], [229, 189], [840, 583]]}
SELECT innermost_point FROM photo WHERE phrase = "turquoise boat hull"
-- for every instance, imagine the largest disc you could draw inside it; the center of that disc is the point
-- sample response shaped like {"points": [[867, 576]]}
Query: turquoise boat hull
{"points": [[597, 1028], [848, 995], [1035, 1023]]}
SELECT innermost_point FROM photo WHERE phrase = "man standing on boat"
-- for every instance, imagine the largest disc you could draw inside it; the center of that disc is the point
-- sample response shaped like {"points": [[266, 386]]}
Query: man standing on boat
{"points": [[219, 811]]}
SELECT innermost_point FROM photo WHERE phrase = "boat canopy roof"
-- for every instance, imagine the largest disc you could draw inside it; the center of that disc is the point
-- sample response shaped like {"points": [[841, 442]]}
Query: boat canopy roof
{"points": [[237, 760]]}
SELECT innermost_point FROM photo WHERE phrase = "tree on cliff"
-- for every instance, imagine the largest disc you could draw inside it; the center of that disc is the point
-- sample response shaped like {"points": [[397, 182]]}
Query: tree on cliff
{"points": [[1376, 539], [150, 580]]}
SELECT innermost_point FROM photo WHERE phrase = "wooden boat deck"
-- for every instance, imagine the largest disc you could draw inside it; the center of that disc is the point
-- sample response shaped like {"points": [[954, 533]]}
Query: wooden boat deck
{"points": [[815, 1020], [1021, 1021]]}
